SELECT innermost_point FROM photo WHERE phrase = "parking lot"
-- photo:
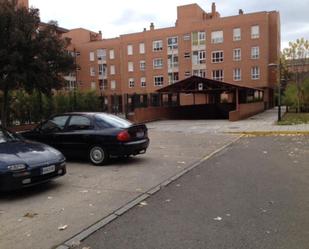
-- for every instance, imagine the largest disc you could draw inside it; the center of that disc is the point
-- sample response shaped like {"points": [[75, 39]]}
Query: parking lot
{"points": [[47, 215]]}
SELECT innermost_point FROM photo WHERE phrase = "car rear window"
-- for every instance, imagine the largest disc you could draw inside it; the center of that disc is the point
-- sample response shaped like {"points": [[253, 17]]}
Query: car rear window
{"points": [[111, 121]]}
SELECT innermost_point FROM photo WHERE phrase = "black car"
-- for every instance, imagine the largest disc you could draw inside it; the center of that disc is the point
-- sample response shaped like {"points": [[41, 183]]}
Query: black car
{"points": [[95, 135], [25, 163]]}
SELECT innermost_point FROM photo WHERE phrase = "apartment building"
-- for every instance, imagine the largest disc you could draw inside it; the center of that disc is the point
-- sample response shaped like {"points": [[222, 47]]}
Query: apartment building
{"points": [[235, 49]]}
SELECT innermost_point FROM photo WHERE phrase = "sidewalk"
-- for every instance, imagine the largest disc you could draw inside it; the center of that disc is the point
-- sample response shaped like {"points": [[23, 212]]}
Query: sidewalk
{"points": [[263, 122]]}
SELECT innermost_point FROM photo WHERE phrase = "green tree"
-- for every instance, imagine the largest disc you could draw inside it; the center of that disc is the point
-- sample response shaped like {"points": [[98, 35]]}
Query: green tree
{"points": [[31, 56], [297, 57]]}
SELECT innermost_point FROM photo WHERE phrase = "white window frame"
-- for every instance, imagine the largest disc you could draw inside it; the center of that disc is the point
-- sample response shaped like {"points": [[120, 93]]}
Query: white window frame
{"points": [[236, 74], [130, 66], [236, 34], [255, 32], [200, 73], [111, 54], [142, 48], [187, 55], [92, 71], [255, 52], [157, 45], [131, 83], [217, 56], [237, 54], [101, 54], [113, 84], [187, 37], [255, 73], [130, 49], [172, 42], [143, 81], [91, 56], [112, 70], [142, 65], [158, 80], [157, 63], [217, 37], [199, 57], [218, 77]]}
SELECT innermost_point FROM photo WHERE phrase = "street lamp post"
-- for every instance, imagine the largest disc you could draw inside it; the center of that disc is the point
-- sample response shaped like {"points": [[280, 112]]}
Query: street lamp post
{"points": [[278, 65]]}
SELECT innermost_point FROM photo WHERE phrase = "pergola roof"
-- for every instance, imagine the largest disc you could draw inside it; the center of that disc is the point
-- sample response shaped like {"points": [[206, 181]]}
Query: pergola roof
{"points": [[195, 84]]}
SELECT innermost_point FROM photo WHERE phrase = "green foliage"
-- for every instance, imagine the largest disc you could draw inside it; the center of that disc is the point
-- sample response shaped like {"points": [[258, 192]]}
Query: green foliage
{"points": [[32, 108], [32, 57], [294, 118]]}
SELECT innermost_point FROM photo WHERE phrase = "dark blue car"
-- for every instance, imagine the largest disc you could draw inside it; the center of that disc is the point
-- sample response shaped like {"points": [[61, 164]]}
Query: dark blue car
{"points": [[24, 163]]}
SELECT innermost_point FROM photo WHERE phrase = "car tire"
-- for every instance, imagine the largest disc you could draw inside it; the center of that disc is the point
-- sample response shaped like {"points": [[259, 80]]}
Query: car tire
{"points": [[98, 155]]}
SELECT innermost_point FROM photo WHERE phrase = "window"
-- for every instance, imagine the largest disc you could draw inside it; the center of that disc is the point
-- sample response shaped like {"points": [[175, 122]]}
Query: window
{"points": [[142, 65], [112, 69], [112, 54], [103, 84], [92, 71], [93, 85], [130, 66], [158, 80], [187, 73], [102, 70], [255, 73], [217, 74], [55, 124], [157, 45], [131, 83], [158, 63], [143, 82], [173, 77], [172, 43], [101, 54], [187, 55], [237, 54], [200, 73], [255, 52], [217, 56], [236, 34], [217, 36], [172, 61], [91, 56], [199, 57], [130, 49], [77, 53], [255, 32], [187, 37], [198, 38], [142, 48], [113, 84], [79, 123], [237, 74]]}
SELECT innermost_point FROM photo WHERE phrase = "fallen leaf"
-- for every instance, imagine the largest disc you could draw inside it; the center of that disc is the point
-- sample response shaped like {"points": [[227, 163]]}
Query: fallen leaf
{"points": [[143, 203], [178, 185], [168, 200], [228, 215], [84, 191], [265, 152], [218, 218], [30, 215], [62, 227], [181, 162], [49, 197]]}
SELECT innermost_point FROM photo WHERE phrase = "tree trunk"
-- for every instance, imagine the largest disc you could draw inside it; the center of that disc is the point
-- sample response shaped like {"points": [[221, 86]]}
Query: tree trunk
{"points": [[5, 107]]}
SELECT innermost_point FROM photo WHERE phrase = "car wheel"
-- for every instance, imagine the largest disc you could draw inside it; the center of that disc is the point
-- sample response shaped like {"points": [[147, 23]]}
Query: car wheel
{"points": [[97, 155]]}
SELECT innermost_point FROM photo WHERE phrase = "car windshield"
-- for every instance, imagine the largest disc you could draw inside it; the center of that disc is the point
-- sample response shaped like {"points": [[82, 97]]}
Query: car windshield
{"points": [[6, 136], [111, 121]]}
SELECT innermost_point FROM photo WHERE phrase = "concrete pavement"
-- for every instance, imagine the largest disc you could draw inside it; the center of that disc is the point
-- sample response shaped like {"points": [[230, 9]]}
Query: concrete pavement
{"points": [[253, 194], [263, 122]]}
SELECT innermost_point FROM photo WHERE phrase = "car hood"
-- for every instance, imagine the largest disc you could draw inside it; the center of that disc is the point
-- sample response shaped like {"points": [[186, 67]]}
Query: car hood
{"points": [[29, 153]]}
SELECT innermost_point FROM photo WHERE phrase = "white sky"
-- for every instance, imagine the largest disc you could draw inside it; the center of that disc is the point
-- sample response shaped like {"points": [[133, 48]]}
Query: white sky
{"points": [[127, 16]]}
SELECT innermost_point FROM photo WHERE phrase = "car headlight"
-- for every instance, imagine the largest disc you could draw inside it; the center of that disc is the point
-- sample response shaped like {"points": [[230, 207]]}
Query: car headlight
{"points": [[16, 167]]}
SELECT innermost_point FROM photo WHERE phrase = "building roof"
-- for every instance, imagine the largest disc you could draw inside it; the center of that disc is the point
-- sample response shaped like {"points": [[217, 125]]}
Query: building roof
{"points": [[195, 84]]}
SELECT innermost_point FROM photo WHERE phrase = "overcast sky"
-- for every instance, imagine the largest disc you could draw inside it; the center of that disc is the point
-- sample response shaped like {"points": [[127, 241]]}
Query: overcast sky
{"points": [[127, 16]]}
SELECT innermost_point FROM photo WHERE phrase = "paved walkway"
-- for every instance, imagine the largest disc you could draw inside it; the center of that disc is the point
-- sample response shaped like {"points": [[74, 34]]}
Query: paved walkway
{"points": [[263, 122]]}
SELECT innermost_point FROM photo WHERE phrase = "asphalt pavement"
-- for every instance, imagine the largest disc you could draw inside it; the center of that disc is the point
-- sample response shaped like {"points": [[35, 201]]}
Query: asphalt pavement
{"points": [[251, 195]]}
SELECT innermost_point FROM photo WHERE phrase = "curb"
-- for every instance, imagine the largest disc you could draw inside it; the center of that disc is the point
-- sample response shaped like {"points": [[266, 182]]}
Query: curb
{"points": [[76, 239], [270, 133]]}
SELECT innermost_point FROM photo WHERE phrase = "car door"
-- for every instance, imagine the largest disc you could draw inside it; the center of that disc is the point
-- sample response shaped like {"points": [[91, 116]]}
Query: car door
{"points": [[76, 137], [48, 132]]}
